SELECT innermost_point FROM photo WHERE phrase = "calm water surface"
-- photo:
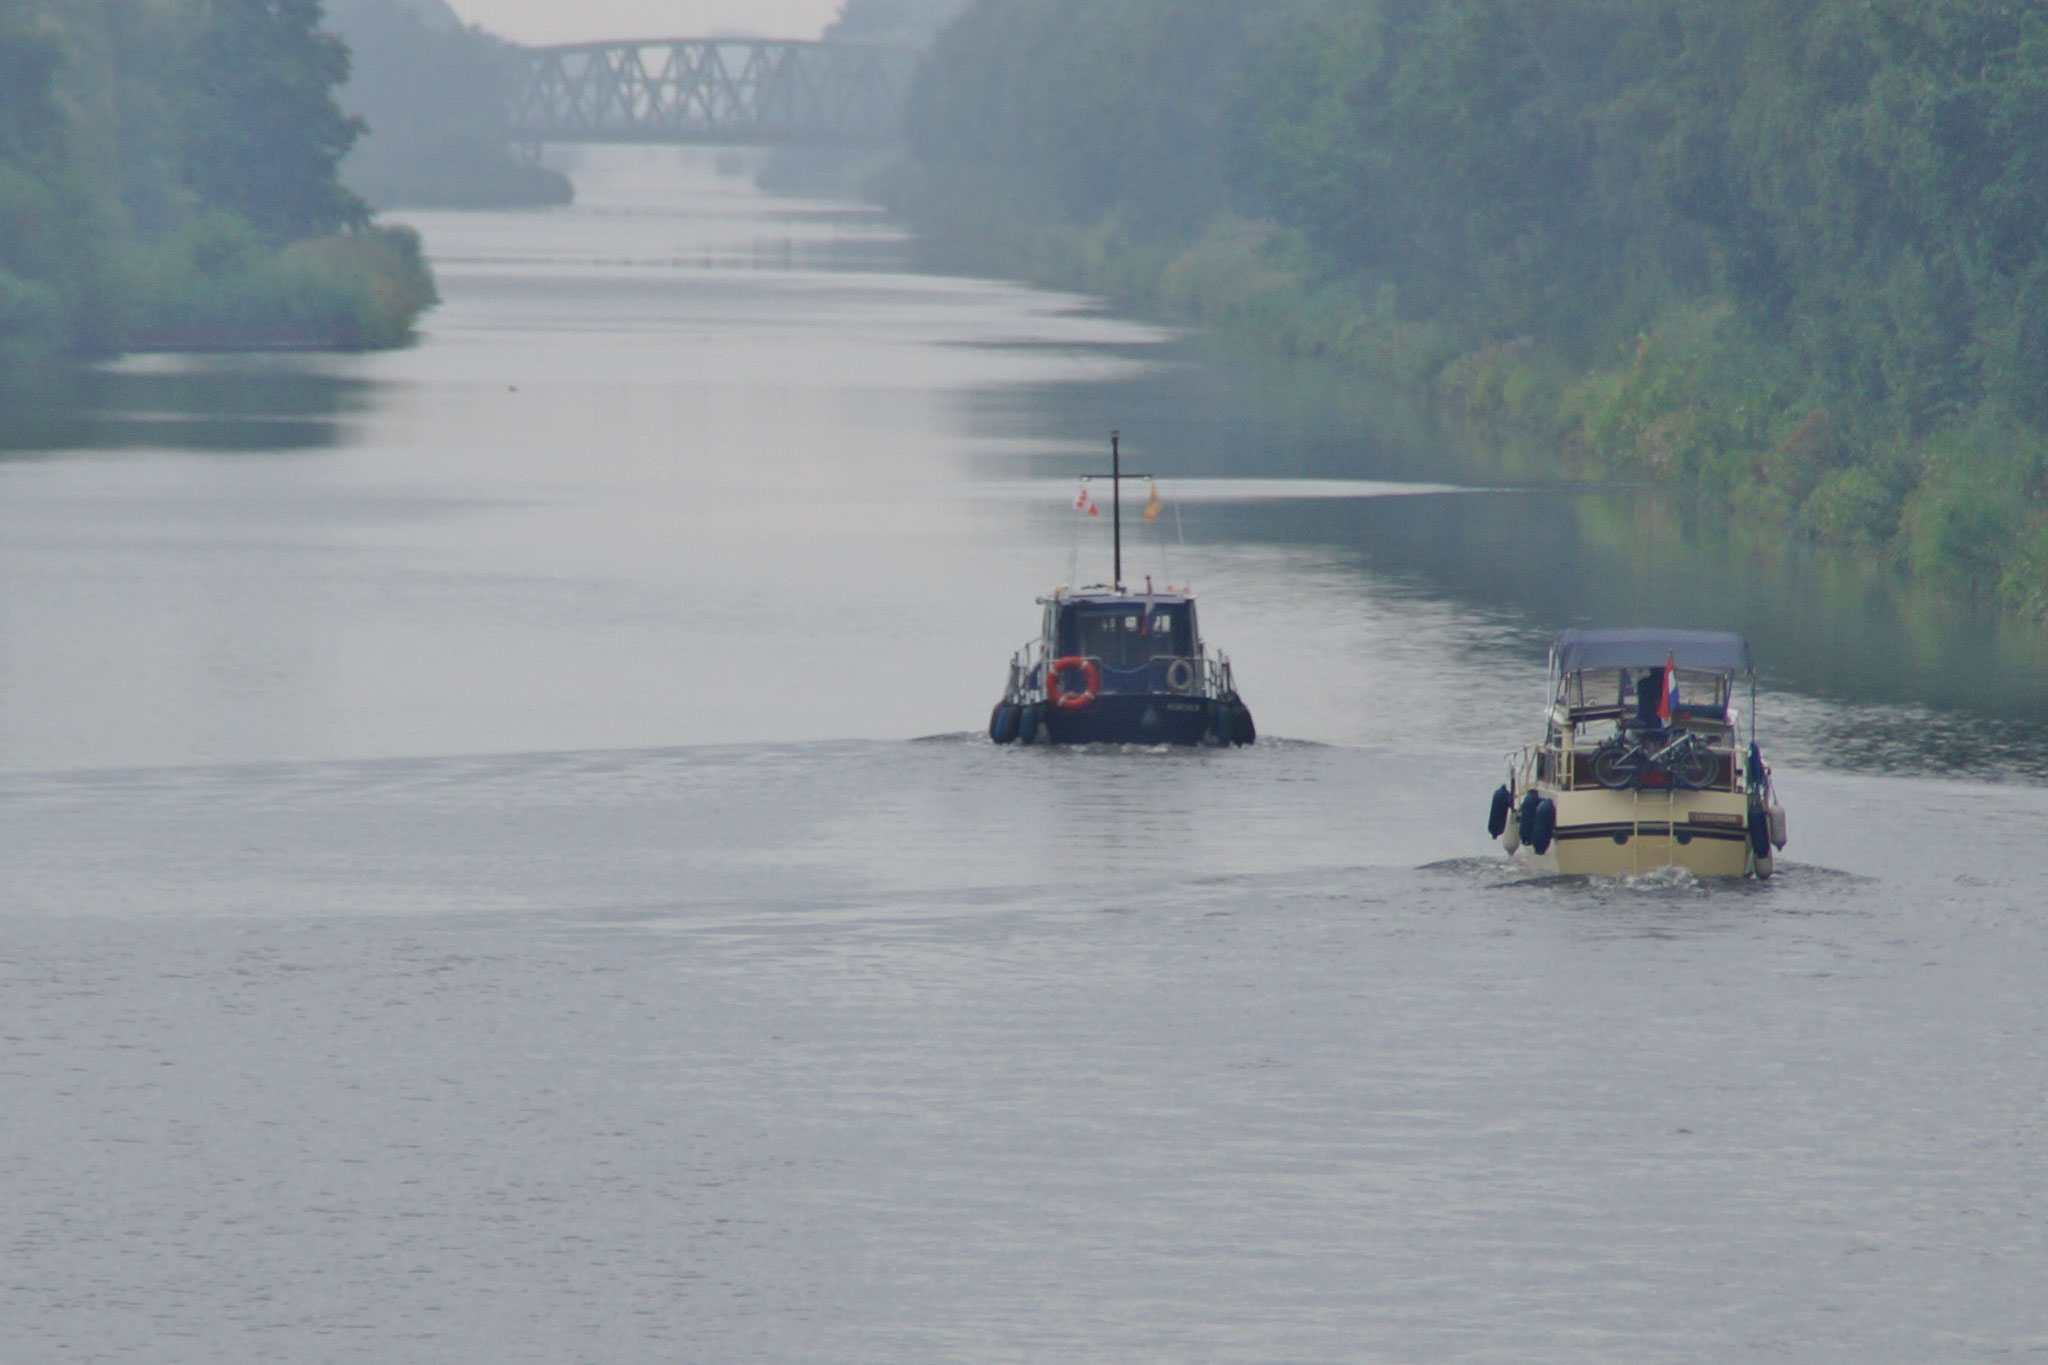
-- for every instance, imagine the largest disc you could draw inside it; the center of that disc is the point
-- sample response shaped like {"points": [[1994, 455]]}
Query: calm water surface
{"points": [[499, 864]]}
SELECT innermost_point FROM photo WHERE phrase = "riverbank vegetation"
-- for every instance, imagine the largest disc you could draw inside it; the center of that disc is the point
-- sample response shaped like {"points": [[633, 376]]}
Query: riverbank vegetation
{"points": [[1794, 257], [168, 179], [908, 24]]}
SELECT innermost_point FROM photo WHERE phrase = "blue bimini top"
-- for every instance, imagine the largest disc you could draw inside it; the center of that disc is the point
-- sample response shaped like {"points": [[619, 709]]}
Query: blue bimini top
{"points": [[1577, 651]]}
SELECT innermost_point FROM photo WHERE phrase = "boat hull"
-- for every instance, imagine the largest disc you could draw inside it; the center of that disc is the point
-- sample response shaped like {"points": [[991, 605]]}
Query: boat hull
{"points": [[1628, 833], [1132, 718]]}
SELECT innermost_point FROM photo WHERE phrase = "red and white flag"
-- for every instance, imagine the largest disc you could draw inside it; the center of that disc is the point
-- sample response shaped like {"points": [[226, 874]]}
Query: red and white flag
{"points": [[1667, 704], [1084, 502]]}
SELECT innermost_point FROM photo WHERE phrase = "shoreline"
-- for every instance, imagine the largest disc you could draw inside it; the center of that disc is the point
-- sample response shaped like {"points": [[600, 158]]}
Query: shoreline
{"points": [[1505, 406]]}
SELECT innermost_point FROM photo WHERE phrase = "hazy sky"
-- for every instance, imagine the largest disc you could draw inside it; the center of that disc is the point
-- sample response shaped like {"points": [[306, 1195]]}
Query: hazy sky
{"points": [[550, 21]]}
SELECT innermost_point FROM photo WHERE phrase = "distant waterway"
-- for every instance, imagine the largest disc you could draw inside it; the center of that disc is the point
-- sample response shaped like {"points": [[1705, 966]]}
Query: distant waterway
{"points": [[498, 862]]}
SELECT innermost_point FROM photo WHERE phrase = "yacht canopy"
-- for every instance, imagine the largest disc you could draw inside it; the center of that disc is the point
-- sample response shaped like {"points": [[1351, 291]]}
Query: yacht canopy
{"points": [[1579, 650]]}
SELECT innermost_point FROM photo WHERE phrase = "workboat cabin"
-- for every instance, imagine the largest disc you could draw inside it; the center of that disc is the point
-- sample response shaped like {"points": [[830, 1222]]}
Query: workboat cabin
{"points": [[1113, 666], [1649, 759]]}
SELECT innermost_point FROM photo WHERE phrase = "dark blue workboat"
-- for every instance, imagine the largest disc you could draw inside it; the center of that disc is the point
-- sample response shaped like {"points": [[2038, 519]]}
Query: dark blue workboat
{"points": [[1115, 666]]}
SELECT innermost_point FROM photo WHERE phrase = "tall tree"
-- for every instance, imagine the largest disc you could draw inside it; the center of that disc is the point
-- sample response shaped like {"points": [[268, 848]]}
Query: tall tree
{"points": [[30, 125], [53, 223], [264, 134]]}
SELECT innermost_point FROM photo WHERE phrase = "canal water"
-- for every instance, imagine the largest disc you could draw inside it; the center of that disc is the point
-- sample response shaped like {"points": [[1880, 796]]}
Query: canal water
{"points": [[498, 862]]}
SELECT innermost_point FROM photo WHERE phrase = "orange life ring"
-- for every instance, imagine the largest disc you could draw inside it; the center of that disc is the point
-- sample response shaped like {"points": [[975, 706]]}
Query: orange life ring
{"points": [[1072, 701]]}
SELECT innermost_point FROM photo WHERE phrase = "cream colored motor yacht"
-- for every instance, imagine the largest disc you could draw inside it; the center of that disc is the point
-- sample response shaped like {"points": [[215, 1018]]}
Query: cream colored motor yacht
{"points": [[1644, 763]]}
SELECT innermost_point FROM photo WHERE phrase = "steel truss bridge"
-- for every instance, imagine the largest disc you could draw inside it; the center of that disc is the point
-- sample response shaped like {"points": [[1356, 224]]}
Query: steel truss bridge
{"points": [[712, 91]]}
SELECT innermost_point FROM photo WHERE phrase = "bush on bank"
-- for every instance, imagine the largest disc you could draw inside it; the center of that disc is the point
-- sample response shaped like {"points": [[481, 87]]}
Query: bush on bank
{"points": [[215, 286], [1793, 257]]}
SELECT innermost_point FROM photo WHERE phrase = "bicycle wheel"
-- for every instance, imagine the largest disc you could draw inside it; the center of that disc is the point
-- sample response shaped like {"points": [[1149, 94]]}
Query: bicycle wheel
{"points": [[1616, 764], [1695, 766]]}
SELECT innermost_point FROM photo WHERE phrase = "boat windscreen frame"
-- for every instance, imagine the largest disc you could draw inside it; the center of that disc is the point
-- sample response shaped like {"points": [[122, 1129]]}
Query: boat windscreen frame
{"points": [[1063, 612], [1557, 674]]}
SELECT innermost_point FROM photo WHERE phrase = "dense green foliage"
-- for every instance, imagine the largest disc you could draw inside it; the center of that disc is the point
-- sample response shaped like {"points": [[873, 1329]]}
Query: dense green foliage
{"points": [[52, 229], [218, 286], [1793, 254], [1082, 108], [432, 95], [167, 176], [262, 132]]}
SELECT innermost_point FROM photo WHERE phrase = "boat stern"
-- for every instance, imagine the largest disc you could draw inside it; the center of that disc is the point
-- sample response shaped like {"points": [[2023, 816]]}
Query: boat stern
{"points": [[1603, 833]]}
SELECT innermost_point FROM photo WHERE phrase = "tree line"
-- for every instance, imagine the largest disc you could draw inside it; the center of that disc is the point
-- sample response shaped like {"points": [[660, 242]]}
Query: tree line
{"points": [[1793, 253], [168, 176]]}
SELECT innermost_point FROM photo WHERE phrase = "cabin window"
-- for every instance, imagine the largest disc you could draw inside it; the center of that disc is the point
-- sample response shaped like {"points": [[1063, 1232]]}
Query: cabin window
{"points": [[1128, 636]]}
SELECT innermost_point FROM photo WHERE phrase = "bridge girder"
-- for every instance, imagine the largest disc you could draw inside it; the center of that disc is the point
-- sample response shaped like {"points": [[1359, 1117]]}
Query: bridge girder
{"points": [[715, 92]]}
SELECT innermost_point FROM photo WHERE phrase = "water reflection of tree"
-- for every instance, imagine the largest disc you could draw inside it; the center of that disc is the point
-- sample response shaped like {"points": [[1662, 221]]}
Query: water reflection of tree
{"points": [[1833, 624], [218, 404], [1866, 648]]}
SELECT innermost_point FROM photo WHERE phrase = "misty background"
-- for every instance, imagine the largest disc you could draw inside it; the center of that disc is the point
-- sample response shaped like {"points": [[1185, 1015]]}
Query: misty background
{"points": [[500, 855]]}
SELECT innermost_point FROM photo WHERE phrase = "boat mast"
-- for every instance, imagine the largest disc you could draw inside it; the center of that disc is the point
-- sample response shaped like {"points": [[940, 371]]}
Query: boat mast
{"points": [[1116, 477], [1116, 512]]}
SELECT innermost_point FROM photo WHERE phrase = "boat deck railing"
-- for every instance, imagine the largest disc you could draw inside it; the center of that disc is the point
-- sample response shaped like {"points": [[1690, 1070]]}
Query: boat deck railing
{"points": [[1564, 761], [1205, 674]]}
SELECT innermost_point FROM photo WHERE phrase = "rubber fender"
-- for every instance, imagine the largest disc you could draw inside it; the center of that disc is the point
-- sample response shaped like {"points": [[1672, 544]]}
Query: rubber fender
{"points": [[1027, 723], [1546, 826], [1219, 722], [1777, 817], [1759, 832], [1497, 813], [1525, 818], [1242, 730], [1002, 723]]}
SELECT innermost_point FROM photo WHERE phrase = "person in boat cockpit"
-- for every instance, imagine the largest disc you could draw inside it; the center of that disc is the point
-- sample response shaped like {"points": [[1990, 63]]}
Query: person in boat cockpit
{"points": [[1649, 690]]}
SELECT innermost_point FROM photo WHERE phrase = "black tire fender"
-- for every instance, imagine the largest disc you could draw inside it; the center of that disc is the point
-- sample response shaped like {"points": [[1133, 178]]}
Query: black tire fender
{"points": [[1759, 832], [1002, 722], [1219, 722], [1497, 813], [1546, 826], [1242, 730]]}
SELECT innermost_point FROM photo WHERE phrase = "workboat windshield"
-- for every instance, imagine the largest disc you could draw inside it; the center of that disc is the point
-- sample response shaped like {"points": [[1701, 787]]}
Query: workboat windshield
{"points": [[1128, 634]]}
